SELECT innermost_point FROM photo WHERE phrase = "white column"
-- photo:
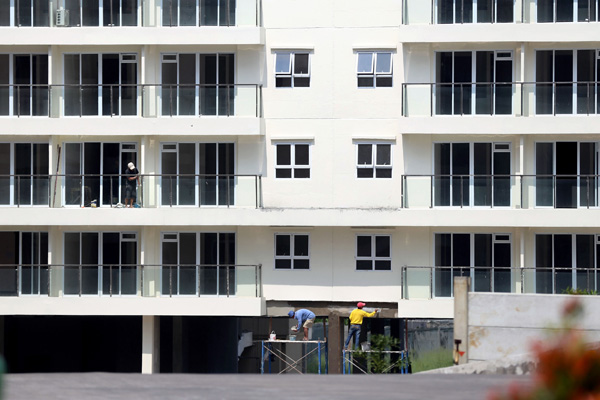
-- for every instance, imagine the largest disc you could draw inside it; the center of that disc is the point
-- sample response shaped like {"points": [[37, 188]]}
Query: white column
{"points": [[150, 344]]}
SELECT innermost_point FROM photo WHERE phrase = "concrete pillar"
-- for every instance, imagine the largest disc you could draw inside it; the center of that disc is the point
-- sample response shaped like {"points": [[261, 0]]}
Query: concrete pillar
{"points": [[461, 320], [177, 346], [335, 337], [150, 344]]}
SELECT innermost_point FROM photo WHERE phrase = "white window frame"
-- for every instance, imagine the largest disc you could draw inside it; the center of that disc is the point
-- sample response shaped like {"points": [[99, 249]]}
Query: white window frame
{"points": [[100, 264], [372, 72], [293, 166], [174, 237], [291, 257], [289, 73], [374, 166], [373, 258]]}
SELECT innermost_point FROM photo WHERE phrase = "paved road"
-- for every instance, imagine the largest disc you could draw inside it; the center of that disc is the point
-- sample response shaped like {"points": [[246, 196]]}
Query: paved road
{"points": [[106, 386]]}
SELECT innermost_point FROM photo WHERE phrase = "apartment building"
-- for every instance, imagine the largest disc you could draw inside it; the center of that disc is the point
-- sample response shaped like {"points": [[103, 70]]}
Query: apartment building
{"points": [[292, 155]]}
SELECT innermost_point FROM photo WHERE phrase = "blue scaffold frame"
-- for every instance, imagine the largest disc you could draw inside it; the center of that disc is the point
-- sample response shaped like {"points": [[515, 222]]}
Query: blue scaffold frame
{"points": [[268, 348], [348, 361]]}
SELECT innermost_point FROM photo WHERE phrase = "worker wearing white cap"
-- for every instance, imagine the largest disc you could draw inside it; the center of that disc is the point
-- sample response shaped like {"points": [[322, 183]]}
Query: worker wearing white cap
{"points": [[132, 178], [356, 320]]}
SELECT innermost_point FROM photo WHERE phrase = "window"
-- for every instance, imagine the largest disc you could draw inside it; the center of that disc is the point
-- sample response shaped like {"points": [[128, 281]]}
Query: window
{"points": [[198, 263], [468, 174], [102, 12], [100, 263], [566, 261], [100, 84], [567, 10], [292, 69], [486, 258], [566, 174], [24, 176], [477, 82], [374, 69], [93, 171], [197, 84], [291, 251], [480, 11], [555, 72], [198, 12], [23, 80], [293, 160], [373, 252], [373, 160], [24, 263], [197, 174]]}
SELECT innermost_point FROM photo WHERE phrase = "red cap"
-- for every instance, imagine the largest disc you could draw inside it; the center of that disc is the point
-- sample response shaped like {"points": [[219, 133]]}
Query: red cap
{"points": [[360, 304]]}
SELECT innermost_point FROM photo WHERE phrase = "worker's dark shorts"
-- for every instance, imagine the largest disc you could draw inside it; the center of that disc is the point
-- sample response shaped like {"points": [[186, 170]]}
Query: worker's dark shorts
{"points": [[130, 192]]}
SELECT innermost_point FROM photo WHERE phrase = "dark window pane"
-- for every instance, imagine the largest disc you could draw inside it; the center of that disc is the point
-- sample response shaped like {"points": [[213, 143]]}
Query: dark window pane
{"points": [[283, 173], [301, 64], [384, 156], [364, 265], [283, 82], [283, 264], [384, 81], [363, 246], [383, 173], [301, 245], [301, 264], [383, 265], [284, 155], [301, 173], [301, 154], [282, 245], [365, 81], [365, 172], [301, 82], [382, 246], [365, 154]]}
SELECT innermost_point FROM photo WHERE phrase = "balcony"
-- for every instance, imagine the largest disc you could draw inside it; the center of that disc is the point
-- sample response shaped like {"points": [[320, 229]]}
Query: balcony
{"points": [[149, 101], [514, 99], [501, 191], [427, 282], [131, 280], [498, 11], [109, 190], [129, 13]]}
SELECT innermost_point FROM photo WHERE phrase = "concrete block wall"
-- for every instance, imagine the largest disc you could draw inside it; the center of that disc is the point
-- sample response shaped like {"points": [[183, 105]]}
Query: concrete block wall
{"points": [[503, 325]]}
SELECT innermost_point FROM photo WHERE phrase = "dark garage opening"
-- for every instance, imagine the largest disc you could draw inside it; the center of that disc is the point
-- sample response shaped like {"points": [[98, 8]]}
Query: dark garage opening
{"points": [[73, 343]]}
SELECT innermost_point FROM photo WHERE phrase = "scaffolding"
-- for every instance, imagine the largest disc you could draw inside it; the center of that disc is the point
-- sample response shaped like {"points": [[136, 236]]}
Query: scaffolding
{"points": [[402, 362], [278, 349]]}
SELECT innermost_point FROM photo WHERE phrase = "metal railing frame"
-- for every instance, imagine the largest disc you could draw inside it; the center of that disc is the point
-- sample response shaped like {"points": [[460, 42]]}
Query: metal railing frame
{"points": [[16, 180], [140, 276], [589, 178], [115, 91], [590, 96], [515, 271]]}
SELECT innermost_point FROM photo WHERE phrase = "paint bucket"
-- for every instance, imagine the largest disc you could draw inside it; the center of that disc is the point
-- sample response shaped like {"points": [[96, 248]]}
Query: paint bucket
{"points": [[272, 336], [293, 338]]}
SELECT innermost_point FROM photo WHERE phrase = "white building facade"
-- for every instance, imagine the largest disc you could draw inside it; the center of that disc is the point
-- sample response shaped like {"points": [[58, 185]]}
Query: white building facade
{"points": [[291, 155]]}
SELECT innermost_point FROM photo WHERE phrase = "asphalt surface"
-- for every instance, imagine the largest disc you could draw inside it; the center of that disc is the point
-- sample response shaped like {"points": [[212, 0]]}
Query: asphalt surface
{"points": [[109, 386]]}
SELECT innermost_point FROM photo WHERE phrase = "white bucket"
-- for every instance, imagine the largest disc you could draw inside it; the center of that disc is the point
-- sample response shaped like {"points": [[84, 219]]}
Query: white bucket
{"points": [[272, 336]]}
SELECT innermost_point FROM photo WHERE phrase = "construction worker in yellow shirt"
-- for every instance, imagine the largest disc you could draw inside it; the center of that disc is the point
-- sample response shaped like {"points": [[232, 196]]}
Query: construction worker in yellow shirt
{"points": [[356, 320]]}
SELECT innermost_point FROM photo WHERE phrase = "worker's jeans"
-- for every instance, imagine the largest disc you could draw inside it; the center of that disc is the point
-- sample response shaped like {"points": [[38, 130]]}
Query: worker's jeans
{"points": [[354, 330]]}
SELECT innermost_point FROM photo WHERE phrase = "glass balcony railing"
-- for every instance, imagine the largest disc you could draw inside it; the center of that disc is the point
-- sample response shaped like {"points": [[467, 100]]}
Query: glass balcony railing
{"points": [[217, 100], [420, 282], [500, 99], [498, 11], [501, 191], [111, 190], [131, 280], [128, 13]]}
